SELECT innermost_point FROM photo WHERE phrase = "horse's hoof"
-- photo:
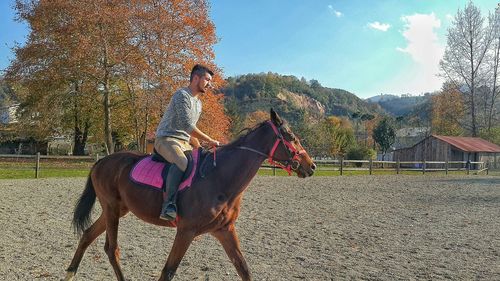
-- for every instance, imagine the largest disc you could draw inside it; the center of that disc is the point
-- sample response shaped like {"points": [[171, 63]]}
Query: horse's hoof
{"points": [[69, 276]]}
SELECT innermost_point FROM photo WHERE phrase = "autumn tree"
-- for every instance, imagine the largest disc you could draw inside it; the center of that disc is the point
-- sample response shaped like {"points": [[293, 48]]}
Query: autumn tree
{"points": [[364, 133], [45, 78], [448, 112], [342, 135], [213, 120], [174, 36], [128, 57], [332, 136], [57, 64], [385, 135]]}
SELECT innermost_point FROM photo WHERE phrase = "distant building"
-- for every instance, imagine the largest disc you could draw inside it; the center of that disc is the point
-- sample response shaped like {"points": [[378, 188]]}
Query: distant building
{"points": [[60, 145], [446, 148], [25, 146]]}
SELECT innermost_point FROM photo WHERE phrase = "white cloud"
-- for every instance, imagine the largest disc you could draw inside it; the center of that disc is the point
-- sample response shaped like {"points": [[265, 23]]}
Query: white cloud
{"points": [[379, 26], [335, 12], [449, 17], [424, 49]]}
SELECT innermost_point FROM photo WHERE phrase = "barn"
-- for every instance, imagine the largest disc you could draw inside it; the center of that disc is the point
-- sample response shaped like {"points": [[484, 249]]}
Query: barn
{"points": [[446, 148]]}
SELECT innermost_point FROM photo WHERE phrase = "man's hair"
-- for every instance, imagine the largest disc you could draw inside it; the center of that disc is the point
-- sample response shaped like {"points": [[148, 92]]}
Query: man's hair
{"points": [[200, 70]]}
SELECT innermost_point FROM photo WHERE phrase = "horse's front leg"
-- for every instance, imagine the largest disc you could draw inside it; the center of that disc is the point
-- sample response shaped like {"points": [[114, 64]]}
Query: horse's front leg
{"points": [[229, 240], [181, 243]]}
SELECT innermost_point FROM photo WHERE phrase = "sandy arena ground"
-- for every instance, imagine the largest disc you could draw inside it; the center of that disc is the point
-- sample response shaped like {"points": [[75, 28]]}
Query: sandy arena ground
{"points": [[321, 228]]}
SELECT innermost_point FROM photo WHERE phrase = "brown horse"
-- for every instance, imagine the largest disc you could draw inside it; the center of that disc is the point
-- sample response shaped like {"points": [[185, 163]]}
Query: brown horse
{"points": [[210, 205]]}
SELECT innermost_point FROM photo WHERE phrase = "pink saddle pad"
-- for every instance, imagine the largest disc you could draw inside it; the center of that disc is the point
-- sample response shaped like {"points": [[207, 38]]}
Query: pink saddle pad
{"points": [[148, 172]]}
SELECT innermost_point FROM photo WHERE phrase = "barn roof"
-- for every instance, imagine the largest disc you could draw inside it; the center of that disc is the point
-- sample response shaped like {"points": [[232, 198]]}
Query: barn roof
{"points": [[470, 144]]}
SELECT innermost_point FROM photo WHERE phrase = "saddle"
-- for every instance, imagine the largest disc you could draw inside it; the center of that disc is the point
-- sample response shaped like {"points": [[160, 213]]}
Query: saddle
{"points": [[151, 171]]}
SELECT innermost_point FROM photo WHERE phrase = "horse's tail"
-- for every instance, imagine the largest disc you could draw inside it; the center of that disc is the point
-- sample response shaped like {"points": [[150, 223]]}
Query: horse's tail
{"points": [[83, 209]]}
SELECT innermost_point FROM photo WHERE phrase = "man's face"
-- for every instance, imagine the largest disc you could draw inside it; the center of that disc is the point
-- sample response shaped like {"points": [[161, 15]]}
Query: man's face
{"points": [[204, 82]]}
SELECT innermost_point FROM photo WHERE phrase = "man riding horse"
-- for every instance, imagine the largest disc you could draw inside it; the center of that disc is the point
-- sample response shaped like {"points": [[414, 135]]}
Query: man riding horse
{"points": [[177, 131]]}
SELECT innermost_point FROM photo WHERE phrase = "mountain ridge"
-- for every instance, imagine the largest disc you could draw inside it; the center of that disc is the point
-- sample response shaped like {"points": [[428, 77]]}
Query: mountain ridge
{"points": [[292, 97]]}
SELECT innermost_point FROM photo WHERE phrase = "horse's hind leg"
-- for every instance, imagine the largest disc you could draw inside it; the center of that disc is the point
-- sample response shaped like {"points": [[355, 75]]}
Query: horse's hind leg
{"points": [[111, 246], [89, 235]]}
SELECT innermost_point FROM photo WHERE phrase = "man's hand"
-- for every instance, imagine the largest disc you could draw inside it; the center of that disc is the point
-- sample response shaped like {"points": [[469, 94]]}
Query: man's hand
{"points": [[195, 143], [213, 143], [204, 137]]}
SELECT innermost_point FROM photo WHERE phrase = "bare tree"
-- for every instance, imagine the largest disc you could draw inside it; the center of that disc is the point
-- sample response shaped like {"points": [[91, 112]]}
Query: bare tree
{"points": [[494, 62], [469, 40]]}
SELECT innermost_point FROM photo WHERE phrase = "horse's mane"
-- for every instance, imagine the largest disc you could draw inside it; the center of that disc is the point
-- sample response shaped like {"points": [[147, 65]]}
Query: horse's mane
{"points": [[243, 134]]}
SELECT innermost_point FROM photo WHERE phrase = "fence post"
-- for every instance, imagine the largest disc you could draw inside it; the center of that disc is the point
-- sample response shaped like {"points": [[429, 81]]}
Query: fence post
{"points": [[446, 166], [341, 165], [397, 166], [370, 166], [37, 165], [97, 157], [274, 170], [423, 167], [467, 166]]}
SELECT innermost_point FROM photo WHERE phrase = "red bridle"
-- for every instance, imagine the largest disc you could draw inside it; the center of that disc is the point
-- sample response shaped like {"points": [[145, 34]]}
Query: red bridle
{"points": [[293, 153], [293, 162]]}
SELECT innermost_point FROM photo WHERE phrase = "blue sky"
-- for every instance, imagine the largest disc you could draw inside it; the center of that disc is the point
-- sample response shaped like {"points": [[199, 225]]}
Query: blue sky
{"points": [[366, 47]]}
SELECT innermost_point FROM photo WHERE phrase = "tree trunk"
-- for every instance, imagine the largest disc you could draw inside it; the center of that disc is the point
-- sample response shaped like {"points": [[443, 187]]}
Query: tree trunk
{"points": [[473, 114], [146, 125], [473, 92], [108, 138], [494, 93], [107, 122], [81, 139]]}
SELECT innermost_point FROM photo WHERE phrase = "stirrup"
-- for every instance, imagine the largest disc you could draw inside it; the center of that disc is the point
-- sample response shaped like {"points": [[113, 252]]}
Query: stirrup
{"points": [[166, 217], [169, 213]]}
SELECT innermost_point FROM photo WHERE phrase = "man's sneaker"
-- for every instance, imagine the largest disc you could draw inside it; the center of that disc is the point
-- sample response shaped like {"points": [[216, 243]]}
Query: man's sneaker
{"points": [[169, 213]]}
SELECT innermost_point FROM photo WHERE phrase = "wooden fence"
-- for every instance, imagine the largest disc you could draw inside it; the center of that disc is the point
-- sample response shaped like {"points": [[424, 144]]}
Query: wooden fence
{"points": [[370, 166], [34, 161], [341, 165]]}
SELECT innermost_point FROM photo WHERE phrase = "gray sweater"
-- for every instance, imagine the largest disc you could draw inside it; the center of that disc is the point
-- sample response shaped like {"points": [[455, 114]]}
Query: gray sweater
{"points": [[181, 116]]}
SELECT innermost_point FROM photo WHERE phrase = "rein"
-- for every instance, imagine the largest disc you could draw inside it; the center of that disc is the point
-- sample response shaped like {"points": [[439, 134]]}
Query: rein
{"points": [[290, 164]]}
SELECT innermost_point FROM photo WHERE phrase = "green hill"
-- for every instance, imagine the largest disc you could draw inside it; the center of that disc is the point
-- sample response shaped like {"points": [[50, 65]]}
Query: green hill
{"points": [[292, 97]]}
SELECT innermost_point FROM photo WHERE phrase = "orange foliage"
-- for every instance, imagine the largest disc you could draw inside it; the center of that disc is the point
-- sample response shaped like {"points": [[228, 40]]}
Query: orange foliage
{"points": [[369, 127], [447, 110], [214, 121], [135, 54], [339, 122]]}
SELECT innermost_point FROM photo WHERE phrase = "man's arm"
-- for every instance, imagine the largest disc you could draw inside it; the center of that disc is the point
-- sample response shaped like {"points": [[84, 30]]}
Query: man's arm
{"points": [[200, 135]]}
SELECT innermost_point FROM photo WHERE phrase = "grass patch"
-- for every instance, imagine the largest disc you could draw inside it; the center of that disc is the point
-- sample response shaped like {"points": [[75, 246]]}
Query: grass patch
{"points": [[24, 168], [25, 171], [322, 172], [44, 173]]}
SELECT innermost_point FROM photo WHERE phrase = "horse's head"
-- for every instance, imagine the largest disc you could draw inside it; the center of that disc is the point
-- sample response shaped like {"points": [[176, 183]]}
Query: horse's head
{"points": [[288, 151]]}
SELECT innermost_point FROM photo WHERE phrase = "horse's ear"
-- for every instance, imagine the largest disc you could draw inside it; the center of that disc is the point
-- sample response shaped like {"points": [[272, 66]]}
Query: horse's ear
{"points": [[276, 118]]}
